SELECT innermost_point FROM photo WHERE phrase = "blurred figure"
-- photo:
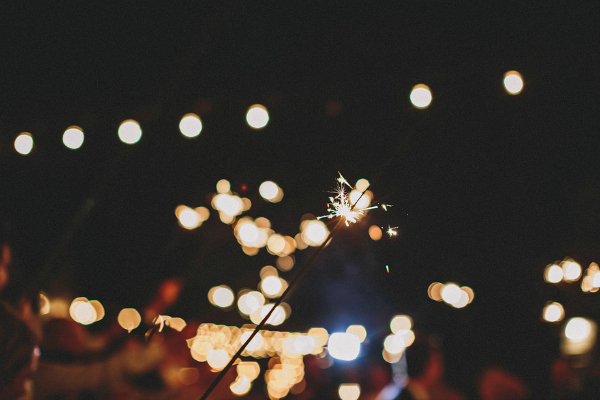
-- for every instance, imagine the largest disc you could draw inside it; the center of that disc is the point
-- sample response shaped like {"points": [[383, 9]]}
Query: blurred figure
{"points": [[424, 373], [18, 356], [15, 289], [498, 384]]}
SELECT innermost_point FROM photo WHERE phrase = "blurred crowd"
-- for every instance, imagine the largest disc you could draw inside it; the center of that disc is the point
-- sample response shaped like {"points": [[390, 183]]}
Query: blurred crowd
{"points": [[58, 358]]}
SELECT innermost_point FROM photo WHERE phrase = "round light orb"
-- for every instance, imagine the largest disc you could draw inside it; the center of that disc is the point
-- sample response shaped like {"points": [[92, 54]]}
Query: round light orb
{"points": [[250, 302], [553, 273], [189, 219], [190, 125], [223, 297], [257, 116], [451, 293], [394, 344], [249, 234], [513, 82], [223, 186], [349, 391], [420, 96], [314, 232], [359, 331], [24, 143], [578, 329], [268, 190], [343, 346], [217, 359], [130, 131], [571, 270], [129, 319], [553, 312], [271, 286], [462, 301], [85, 313], [401, 322], [73, 137]]}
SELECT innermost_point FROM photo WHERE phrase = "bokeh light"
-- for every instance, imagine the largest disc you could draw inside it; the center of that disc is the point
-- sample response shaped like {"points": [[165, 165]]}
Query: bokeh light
{"points": [[270, 191], [257, 116], [435, 291], [401, 322], [553, 273], [217, 359], [375, 232], [285, 263], [241, 385], [394, 344], [349, 391], [188, 218], [221, 296], [314, 232], [571, 270], [420, 96], [73, 137], [553, 312], [579, 336], [130, 131], [513, 82], [272, 286], [84, 313], [361, 185], [250, 302], [129, 319], [343, 346], [358, 331], [24, 143], [190, 125], [249, 369], [451, 293], [223, 186]]}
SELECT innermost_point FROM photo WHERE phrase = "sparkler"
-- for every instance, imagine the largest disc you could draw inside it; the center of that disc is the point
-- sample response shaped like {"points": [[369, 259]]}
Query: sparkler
{"points": [[339, 206]]}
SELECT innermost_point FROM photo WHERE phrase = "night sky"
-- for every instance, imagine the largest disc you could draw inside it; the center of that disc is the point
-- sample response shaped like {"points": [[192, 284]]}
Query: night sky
{"points": [[487, 188]]}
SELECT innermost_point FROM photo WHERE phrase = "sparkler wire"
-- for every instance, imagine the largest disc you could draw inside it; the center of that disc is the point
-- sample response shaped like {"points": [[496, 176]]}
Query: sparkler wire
{"points": [[302, 270]]}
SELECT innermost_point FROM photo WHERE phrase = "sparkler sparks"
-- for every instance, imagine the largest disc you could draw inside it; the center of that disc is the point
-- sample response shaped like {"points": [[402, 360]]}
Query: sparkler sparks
{"points": [[341, 206], [391, 231]]}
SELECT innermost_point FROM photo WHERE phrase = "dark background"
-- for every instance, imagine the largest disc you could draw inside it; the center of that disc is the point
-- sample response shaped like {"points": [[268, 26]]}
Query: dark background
{"points": [[487, 188]]}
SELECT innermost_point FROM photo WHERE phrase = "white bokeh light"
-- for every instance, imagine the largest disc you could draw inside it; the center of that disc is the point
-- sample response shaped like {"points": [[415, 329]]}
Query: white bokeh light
{"points": [[130, 131], [73, 137], [190, 125], [420, 96], [257, 116], [343, 346], [24, 143], [513, 82]]}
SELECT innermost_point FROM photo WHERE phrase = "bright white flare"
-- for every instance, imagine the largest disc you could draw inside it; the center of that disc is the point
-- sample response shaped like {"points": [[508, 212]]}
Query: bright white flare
{"points": [[343, 346]]}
